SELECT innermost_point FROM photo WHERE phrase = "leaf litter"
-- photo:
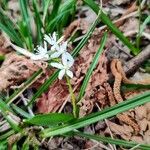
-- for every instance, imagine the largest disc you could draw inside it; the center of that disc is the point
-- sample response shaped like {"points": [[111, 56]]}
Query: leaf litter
{"points": [[132, 125]]}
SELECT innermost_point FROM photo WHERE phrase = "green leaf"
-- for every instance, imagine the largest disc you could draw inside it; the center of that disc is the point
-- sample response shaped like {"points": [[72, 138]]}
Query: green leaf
{"points": [[3, 145], [103, 17], [49, 119], [45, 8], [8, 27], [91, 68], [20, 111], [25, 145], [2, 57], [53, 23], [67, 5], [62, 13], [7, 112], [56, 5], [98, 116], [14, 147], [26, 22], [4, 107], [38, 21], [6, 135], [133, 87], [119, 142], [44, 87], [146, 21]]}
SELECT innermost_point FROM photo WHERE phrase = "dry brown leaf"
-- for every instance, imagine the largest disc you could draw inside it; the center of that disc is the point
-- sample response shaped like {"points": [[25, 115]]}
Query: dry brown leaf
{"points": [[16, 69], [51, 101], [86, 108], [124, 131], [76, 25]]}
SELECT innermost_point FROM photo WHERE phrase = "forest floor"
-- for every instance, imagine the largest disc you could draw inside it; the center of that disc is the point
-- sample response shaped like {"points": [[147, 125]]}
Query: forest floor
{"points": [[119, 75]]}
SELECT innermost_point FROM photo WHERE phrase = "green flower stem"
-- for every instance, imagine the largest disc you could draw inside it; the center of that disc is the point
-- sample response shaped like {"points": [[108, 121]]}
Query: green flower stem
{"points": [[73, 99]]}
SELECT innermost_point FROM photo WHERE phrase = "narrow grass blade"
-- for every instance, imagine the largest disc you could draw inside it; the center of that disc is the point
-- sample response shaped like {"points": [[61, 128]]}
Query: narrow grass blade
{"points": [[20, 111], [4, 107], [44, 87], [6, 112], [54, 22], [49, 119], [63, 11], [111, 26], [2, 57], [45, 9], [146, 21], [29, 82], [56, 5], [6, 135], [74, 53], [98, 116], [26, 23], [119, 142], [8, 27], [69, 16], [91, 68], [133, 87], [4, 4], [38, 21]]}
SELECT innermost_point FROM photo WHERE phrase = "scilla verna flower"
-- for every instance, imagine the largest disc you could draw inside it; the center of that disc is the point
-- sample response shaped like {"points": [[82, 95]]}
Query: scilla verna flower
{"points": [[41, 53], [62, 52], [58, 48], [64, 66], [52, 40]]}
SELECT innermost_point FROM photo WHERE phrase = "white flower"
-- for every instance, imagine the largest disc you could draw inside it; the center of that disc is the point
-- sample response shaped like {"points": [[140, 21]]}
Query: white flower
{"points": [[62, 49], [62, 52], [64, 67], [41, 53], [52, 40]]}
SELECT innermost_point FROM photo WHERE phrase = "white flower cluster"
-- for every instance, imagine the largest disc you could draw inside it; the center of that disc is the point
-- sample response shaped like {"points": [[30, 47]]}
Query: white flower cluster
{"points": [[58, 50]]}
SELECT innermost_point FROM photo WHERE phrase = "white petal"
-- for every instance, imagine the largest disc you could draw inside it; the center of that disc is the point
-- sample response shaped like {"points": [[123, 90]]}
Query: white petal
{"points": [[60, 40], [54, 36], [48, 39], [69, 73], [22, 50], [45, 45], [57, 65], [55, 55], [36, 57], [46, 57], [55, 47], [63, 47], [64, 59], [70, 59], [41, 50], [61, 74], [67, 59]]}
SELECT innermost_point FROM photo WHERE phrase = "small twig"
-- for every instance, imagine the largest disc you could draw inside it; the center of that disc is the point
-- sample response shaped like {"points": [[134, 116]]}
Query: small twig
{"points": [[25, 103], [129, 33], [135, 62]]}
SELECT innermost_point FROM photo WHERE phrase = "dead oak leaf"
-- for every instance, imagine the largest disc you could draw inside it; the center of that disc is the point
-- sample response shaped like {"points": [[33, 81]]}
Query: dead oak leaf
{"points": [[54, 98], [124, 131], [16, 69]]}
